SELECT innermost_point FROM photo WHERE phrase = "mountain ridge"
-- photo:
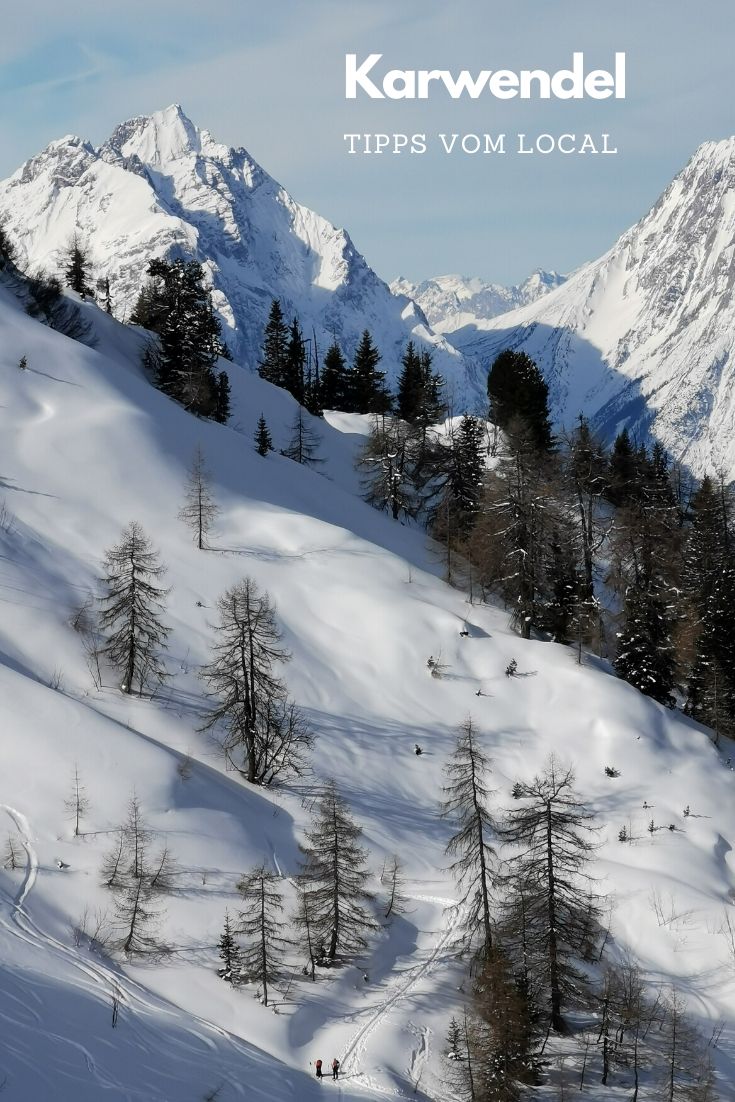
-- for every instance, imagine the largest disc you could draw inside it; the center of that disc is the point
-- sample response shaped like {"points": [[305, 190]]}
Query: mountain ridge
{"points": [[160, 186], [644, 337]]}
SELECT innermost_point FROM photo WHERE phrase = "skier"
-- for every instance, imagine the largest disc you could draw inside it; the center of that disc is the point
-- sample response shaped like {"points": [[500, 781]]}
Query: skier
{"points": [[417, 750], [335, 1068], [318, 1069]]}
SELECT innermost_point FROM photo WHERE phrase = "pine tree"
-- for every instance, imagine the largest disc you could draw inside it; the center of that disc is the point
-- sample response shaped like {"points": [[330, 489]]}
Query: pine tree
{"points": [[7, 249], [77, 805], [462, 474], [132, 607], [77, 270], [510, 540], [431, 408], [263, 439], [199, 510], [303, 446], [623, 473], [410, 385], [221, 412], [23, 363], [466, 804], [559, 614], [334, 877], [335, 380], [586, 483], [367, 384], [549, 902], [189, 342], [272, 366], [709, 576], [501, 1034], [295, 367], [103, 289], [645, 654], [230, 954], [264, 735], [260, 924], [518, 392], [386, 463]]}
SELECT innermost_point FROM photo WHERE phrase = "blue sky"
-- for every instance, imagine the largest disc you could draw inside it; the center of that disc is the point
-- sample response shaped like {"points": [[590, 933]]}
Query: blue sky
{"points": [[270, 77]]}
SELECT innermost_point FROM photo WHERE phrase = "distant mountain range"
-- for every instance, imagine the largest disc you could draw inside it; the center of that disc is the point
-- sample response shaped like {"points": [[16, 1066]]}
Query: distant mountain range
{"points": [[452, 301]]}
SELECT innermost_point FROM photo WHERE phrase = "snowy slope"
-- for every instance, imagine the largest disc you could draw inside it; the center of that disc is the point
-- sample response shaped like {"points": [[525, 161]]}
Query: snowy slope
{"points": [[645, 336], [452, 302], [161, 187], [86, 445]]}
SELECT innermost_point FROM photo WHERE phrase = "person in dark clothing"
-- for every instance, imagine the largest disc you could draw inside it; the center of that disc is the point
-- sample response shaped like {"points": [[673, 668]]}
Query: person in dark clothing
{"points": [[335, 1068], [318, 1069]]}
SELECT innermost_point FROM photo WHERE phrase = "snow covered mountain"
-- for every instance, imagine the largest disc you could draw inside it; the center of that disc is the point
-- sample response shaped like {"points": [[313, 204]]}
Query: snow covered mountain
{"points": [[452, 301], [86, 444], [645, 336], [161, 187]]}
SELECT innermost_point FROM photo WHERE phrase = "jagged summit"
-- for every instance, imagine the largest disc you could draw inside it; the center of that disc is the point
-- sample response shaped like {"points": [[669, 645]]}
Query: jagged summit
{"points": [[160, 186], [158, 138]]}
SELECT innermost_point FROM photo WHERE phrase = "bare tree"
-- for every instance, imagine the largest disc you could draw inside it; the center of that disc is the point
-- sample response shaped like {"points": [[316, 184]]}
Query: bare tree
{"points": [[132, 607], [260, 923], [334, 877], [14, 858], [549, 831], [688, 1075], [162, 872], [136, 920], [303, 446], [304, 919], [199, 510], [77, 805], [264, 735], [397, 899], [467, 805], [112, 871]]}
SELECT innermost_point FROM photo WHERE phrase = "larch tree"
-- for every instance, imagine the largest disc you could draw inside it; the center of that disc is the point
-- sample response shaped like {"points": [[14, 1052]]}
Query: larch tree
{"points": [[200, 510], [303, 446], [467, 806], [263, 734], [77, 804], [549, 899], [261, 926], [132, 607], [335, 876]]}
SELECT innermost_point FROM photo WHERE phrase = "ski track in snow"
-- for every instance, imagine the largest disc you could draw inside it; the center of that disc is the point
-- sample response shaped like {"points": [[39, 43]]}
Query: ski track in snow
{"points": [[355, 1052], [103, 976]]}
